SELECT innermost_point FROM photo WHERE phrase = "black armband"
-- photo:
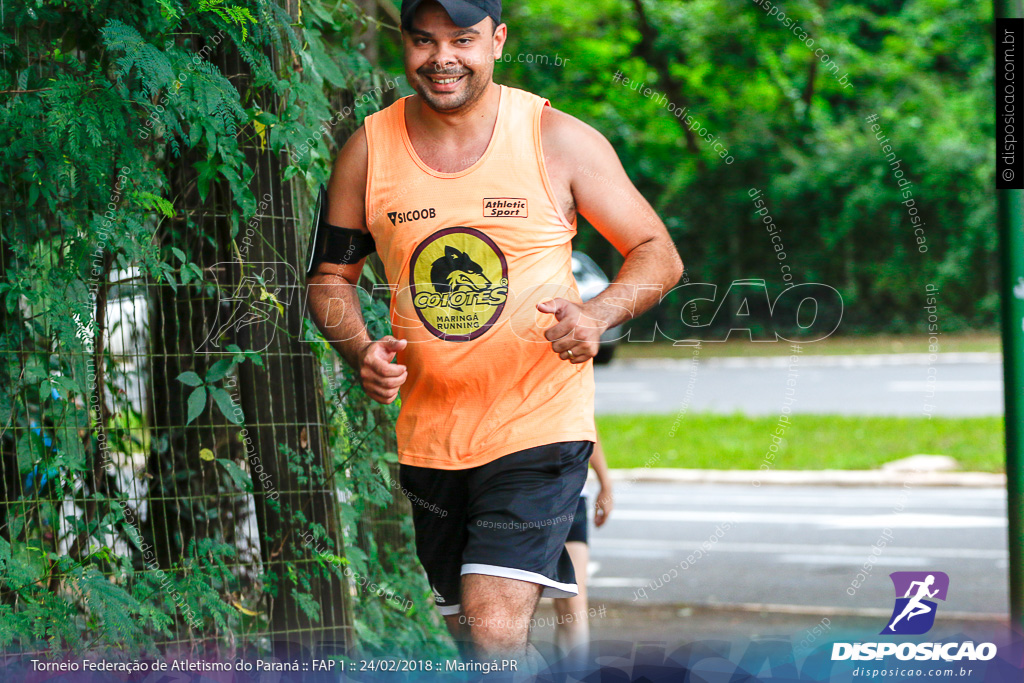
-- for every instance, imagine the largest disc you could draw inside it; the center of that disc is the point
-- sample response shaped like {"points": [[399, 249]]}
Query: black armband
{"points": [[331, 244]]}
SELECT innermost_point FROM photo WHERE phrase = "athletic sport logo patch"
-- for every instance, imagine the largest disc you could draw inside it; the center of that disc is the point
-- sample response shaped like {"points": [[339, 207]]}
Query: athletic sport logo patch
{"points": [[505, 207], [459, 283]]}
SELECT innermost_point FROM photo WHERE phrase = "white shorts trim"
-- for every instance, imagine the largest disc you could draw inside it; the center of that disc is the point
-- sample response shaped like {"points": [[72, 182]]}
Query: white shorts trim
{"points": [[448, 610], [552, 588]]}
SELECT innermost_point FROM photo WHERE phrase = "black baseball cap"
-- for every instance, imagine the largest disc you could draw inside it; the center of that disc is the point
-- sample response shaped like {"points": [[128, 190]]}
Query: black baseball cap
{"points": [[462, 12]]}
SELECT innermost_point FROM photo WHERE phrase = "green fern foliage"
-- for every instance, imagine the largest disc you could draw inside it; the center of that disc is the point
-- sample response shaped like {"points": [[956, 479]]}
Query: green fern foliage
{"points": [[232, 14], [110, 609]]}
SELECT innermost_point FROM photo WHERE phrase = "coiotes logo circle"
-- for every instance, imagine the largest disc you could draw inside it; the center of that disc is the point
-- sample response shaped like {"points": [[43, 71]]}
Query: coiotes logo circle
{"points": [[459, 283]]}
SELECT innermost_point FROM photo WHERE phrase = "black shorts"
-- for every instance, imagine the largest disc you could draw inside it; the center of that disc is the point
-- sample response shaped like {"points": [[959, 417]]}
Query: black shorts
{"points": [[578, 530], [507, 518]]}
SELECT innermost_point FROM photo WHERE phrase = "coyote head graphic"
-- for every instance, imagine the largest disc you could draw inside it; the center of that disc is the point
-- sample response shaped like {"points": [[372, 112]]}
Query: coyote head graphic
{"points": [[456, 271]]}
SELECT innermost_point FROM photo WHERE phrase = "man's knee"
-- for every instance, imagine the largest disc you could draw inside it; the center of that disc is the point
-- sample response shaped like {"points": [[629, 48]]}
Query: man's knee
{"points": [[497, 617], [499, 636]]}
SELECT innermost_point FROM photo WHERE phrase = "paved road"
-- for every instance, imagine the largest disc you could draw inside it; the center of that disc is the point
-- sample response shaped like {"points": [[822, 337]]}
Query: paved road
{"points": [[799, 546], [906, 384]]}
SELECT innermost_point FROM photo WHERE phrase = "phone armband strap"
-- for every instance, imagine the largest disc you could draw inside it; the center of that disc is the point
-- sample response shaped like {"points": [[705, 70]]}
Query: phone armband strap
{"points": [[331, 244]]}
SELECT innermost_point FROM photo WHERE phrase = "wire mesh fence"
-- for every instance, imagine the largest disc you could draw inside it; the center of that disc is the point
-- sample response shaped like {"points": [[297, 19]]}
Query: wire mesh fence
{"points": [[183, 440]]}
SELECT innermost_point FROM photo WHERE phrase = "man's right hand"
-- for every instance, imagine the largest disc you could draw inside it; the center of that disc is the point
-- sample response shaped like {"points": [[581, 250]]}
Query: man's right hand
{"points": [[381, 378]]}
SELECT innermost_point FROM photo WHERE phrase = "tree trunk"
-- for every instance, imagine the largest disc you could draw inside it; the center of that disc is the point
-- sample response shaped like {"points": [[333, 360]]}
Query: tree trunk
{"points": [[368, 36], [282, 402]]}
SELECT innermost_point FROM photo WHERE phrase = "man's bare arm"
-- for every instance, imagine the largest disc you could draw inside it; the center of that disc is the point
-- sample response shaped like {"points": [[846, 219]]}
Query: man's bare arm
{"points": [[606, 197], [333, 298], [605, 498], [334, 307]]}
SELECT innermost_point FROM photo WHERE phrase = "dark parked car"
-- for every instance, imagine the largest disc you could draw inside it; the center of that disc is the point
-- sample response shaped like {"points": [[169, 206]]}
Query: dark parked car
{"points": [[591, 281]]}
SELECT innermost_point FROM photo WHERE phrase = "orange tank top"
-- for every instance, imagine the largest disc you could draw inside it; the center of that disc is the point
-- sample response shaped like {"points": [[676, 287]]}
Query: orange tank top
{"points": [[468, 256]]}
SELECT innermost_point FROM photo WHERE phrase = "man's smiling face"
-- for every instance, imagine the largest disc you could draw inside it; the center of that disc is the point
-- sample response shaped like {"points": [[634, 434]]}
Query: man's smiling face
{"points": [[450, 66]]}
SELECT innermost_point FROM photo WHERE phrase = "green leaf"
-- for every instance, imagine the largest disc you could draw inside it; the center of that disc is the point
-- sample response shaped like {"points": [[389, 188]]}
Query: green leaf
{"points": [[237, 474], [307, 604], [132, 534], [112, 606], [190, 378], [27, 565], [17, 525], [196, 403], [152, 202], [69, 385], [71, 452], [219, 370], [30, 450], [228, 408]]}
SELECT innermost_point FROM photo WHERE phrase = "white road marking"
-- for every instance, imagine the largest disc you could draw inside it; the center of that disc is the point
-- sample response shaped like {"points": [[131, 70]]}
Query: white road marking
{"points": [[967, 385], [782, 359], [634, 392], [622, 387], [837, 610], [601, 544], [615, 582], [636, 553], [993, 500], [844, 560], [892, 521], [918, 521]]}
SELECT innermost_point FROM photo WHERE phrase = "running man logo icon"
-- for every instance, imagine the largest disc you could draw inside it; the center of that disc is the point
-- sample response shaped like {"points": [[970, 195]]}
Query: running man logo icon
{"points": [[914, 613], [252, 298]]}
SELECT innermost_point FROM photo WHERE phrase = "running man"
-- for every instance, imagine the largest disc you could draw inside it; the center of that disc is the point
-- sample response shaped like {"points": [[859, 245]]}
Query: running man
{"points": [[470, 191], [915, 606]]}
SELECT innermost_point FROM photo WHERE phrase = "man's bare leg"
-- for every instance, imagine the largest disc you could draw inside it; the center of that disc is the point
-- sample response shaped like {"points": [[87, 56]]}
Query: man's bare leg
{"points": [[572, 629], [498, 613]]}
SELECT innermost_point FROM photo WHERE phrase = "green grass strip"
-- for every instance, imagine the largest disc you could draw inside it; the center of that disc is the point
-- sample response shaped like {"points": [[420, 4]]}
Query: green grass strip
{"points": [[810, 442]]}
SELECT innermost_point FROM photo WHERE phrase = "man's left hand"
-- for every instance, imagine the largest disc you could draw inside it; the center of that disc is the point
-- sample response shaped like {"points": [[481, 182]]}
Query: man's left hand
{"points": [[578, 330], [603, 506]]}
